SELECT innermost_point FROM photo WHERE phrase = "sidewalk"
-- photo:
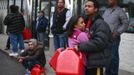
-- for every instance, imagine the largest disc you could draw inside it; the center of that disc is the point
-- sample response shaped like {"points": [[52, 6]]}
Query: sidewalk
{"points": [[48, 53], [9, 66], [48, 69]]}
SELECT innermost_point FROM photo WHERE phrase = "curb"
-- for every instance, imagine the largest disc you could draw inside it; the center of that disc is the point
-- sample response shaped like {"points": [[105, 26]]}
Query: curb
{"points": [[6, 53]]}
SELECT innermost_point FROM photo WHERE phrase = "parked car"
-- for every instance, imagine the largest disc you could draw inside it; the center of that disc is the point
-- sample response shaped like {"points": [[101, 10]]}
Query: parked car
{"points": [[131, 26]]}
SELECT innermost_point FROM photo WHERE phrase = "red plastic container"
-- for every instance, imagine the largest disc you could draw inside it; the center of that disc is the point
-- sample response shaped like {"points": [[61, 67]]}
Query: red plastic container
{"points": [[42, 71], [70, 62], [37, 70], [27, 34], [53, 60]]}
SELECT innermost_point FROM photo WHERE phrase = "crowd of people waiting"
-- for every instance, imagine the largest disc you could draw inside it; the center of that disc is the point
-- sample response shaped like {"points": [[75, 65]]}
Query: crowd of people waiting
{"points": [[97, 36]]}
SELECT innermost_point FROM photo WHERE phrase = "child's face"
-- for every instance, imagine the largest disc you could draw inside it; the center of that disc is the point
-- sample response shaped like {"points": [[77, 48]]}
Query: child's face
{"points": [[80, 24]]}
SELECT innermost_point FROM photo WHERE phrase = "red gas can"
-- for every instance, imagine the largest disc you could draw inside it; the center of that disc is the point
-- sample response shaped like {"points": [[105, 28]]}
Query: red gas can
{"points": [[37, 70], [70, 62], [27, 34], [42, 71], [53, 60]]}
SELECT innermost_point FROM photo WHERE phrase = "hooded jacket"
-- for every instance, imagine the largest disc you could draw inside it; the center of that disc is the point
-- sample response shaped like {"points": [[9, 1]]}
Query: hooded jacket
{"points": [[15, 23], [35, 54]]}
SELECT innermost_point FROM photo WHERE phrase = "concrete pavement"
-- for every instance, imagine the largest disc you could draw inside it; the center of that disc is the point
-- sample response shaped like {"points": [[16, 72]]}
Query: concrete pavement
{"points": [[9, 66], [3, 39], [126, 64]]}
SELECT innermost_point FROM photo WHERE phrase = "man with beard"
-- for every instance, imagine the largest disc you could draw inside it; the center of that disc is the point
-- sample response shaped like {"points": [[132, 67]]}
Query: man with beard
{"points": [[61, 18]]}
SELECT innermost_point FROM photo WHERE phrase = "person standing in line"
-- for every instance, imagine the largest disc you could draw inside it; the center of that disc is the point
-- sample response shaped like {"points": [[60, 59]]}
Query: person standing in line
{"points": [[41, 24], [60, 21], [15, 26], [98, 48], [20, 39], [117, 20]]}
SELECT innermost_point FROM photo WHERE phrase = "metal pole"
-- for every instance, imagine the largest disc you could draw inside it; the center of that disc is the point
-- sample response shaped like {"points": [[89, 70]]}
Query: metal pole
{"points": [[14, 2], [31, 19], [51, 39], [40, 5], [22, 6], [49, 10], [49, 28], [7, 6], [78, 7], [36, 5]]}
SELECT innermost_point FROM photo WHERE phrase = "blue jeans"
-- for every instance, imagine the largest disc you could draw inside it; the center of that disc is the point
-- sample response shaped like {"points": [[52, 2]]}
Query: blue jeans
{"points": [[113, 68], [29, 64], [40, 37], [16, 39], [60, 40]]}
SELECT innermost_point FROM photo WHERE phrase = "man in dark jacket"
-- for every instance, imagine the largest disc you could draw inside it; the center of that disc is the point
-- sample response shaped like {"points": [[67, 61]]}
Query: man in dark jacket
{"points": [[61, 18], [15, 26], [33, 55], [41, 25], [98, 49]]}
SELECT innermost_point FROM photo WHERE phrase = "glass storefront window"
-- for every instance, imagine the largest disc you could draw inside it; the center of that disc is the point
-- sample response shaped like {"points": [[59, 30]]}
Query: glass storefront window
{"points": [[45, 6]]}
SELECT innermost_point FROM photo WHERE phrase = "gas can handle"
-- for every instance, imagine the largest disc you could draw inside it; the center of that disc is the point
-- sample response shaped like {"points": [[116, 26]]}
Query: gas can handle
{"points": [[76, 51]]}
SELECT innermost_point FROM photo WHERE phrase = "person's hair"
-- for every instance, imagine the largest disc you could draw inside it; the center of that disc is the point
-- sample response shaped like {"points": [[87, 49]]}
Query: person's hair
{"points": [[96, 4], [13, 9], [34, 42], [118, 1], [42, 12], [71, 24], [17, 8], [63, 1]]}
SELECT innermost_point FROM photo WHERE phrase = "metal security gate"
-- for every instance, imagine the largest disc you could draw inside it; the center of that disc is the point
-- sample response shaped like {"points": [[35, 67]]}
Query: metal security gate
{"points": [[3, 12]]}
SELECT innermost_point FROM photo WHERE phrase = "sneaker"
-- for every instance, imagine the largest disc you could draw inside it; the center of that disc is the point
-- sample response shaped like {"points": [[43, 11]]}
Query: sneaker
{"points": [[13, 54], [22, 51]]}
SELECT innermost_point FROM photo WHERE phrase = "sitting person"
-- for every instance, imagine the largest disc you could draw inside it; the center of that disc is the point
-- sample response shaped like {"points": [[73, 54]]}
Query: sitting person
{"points": [[33, 55]]}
